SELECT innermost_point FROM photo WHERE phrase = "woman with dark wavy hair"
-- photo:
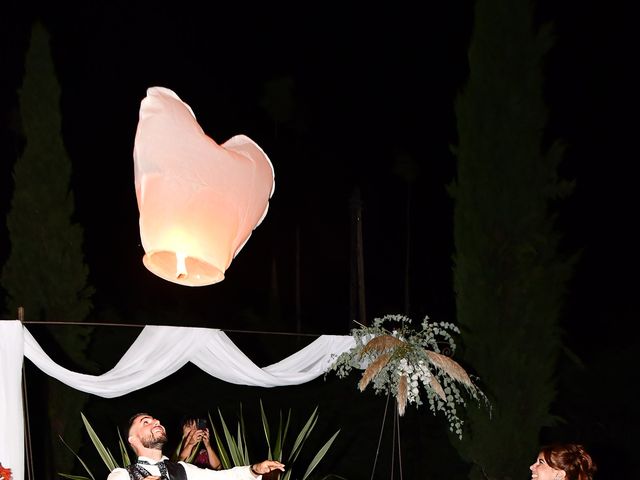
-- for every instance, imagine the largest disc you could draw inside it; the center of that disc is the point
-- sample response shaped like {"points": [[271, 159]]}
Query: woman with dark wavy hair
{"points": [[568, 461], [195, 446]]}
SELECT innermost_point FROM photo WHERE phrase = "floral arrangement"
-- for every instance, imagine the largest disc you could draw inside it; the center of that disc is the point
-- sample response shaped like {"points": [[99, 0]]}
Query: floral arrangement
{"points": [[5, 473], [399, 360]]}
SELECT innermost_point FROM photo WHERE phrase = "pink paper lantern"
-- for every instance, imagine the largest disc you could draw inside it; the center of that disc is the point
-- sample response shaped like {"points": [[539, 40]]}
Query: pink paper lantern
{"points": [[199, 201]]}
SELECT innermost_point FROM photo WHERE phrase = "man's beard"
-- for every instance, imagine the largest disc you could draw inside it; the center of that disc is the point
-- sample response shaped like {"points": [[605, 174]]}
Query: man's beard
{"points": [[154, 441]]}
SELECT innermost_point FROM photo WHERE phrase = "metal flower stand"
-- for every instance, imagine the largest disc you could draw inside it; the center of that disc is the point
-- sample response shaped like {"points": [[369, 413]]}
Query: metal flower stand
{"points": [[396, 453]]}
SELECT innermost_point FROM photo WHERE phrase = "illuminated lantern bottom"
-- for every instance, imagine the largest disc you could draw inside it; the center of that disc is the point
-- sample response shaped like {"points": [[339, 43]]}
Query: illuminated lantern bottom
{"points": [[199, 201], [188, 242]]}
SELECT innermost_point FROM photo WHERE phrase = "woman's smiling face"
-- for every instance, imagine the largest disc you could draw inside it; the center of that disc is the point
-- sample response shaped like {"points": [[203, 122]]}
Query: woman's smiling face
{"points": [[541, 470]]}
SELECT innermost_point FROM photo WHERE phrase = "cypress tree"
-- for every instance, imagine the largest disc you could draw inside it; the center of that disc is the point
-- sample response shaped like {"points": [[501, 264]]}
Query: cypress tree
{"points": [[509, 276], [45, 272]]}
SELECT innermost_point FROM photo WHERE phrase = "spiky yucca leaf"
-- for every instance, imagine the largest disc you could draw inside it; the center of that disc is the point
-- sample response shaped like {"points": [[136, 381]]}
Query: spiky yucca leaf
{"points": [[242, 437], [277, 452], [192, 455], [242, 445], [80, 460], [402, 395], [281, 437], [123, 450], [319, 456], [303, 435], [236, 455], [178, 449], [373, 369], [194, 452], [381, 344], [277, 449], [451, 368], [105, 454], [275, 442], [73, 477], [265, 429], [222, 451], [239, 441]]}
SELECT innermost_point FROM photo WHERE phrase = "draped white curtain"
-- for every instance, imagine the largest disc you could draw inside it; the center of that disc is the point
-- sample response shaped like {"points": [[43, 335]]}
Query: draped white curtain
{"points": [[157, 353]]}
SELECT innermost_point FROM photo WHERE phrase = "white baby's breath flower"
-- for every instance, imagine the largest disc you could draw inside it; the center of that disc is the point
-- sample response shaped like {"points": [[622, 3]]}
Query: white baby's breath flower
{"points": [[402, 352]]}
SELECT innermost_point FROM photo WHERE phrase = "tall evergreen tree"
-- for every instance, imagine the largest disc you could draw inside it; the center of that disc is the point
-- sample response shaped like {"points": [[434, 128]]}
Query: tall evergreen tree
{"points": [[45, 272], [509, 275]]}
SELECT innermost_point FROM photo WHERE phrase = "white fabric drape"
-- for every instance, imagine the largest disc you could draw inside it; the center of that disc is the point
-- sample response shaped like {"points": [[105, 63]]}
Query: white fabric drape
{"points": [[11, 415], [158, 352]]}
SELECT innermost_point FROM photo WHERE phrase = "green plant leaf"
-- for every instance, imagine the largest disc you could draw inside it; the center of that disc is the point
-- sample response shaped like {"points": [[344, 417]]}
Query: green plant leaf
{"points": [[176, 452], [265, 428], [284, 435], [319, 456], [222, 451], [303, 435], [194, 452], [106, 456], [73, 477], [278, 452], [242, 438], [234, 451], [239, 441], [79, 459], [123, 450], [276, 441], [277, 448], [287, 474]]}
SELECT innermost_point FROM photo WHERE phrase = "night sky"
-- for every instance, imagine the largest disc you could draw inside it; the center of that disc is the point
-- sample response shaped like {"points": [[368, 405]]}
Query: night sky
{"points": [[369, 85], [362, 98]]}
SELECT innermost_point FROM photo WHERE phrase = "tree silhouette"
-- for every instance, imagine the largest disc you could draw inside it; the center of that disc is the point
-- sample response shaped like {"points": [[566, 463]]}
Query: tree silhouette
{"points": [[509, 276], [45, 272]]}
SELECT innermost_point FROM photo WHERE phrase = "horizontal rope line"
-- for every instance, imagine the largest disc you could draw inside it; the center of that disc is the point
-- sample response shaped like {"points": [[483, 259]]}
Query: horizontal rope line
{"points": [[93, 324]]}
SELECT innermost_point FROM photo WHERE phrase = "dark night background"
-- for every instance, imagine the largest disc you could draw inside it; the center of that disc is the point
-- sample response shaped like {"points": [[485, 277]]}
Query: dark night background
{"points": [[369, 85]]}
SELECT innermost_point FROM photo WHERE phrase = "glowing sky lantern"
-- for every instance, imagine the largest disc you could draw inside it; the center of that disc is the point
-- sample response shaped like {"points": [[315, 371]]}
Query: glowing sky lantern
{"points": [[199, 201]]}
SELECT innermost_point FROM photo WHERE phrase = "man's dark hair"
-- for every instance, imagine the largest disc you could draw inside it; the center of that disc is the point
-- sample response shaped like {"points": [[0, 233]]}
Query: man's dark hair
{"points": [[133, 417]]}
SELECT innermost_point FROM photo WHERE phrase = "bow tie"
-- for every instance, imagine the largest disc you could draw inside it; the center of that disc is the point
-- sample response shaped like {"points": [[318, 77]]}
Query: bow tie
{"points": [[164, 475]]}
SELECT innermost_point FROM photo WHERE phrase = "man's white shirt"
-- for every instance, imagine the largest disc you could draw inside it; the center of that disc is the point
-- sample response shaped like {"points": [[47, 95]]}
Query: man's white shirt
{"points": [[193, 472]]}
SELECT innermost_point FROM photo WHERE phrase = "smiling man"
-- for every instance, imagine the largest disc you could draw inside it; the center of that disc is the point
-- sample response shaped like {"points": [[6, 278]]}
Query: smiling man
{"points": [[147, 436]]}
